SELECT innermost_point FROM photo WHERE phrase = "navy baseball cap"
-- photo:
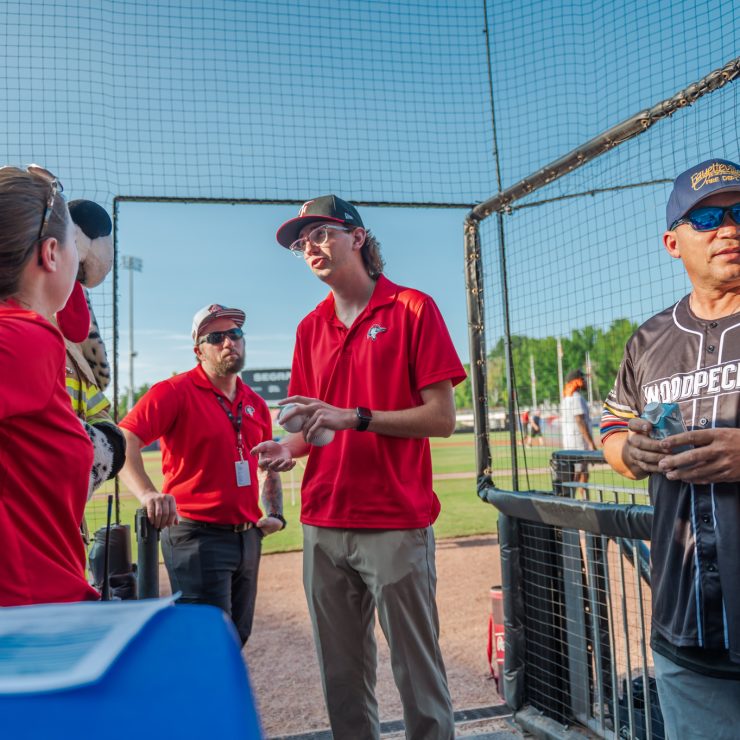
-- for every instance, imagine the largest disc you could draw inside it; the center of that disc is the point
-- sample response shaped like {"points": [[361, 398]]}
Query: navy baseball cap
{"points": [[699, 182], [324, 208]]}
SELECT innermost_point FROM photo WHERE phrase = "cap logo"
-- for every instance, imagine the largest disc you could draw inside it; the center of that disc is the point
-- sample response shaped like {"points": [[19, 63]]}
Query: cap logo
{"points": [[215, 307], [716, 172], [374, 330], [349, 216], [304, 208]]}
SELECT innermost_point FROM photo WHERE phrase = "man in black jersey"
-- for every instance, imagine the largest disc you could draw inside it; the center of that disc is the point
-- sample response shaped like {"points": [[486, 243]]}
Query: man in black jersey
{"points": [[689, 354]]}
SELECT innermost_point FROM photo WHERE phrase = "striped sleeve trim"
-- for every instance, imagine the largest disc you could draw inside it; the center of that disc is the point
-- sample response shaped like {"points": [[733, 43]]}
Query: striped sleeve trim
{"points": [[614, 418]]}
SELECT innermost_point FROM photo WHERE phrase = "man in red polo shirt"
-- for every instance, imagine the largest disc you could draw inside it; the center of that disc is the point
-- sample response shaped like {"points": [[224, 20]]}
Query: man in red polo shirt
{"points": [[207, 420], [375, 363]]}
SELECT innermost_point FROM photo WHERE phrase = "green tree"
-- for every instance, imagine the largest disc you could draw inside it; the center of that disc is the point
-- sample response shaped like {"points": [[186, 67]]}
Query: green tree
{"points": [[605, 349], [464, 393], [123, 399]]}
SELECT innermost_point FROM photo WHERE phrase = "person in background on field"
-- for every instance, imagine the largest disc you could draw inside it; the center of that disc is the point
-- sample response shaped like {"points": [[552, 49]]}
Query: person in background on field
{"points": [[207, 420], [45, 454], [534, 429], [524, 425], [575, 421], [689, 354], [375, 363]]}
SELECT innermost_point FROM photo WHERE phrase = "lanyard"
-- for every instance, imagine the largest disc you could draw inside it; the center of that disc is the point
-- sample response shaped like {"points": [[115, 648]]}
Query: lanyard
{"points": [[235, 422]]}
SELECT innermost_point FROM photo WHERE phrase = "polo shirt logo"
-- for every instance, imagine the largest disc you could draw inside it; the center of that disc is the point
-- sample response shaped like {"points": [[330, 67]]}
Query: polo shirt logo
{"points": [[249, 410], [374, 330]]}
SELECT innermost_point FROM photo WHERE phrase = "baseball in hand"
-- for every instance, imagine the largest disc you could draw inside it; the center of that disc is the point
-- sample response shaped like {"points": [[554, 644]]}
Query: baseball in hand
{"points": [[322, 436], [295, 423]]}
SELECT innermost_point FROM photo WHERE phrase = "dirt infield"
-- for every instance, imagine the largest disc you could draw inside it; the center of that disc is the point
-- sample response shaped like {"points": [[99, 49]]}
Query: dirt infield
{"points": [[280, 654], [281, 658]]}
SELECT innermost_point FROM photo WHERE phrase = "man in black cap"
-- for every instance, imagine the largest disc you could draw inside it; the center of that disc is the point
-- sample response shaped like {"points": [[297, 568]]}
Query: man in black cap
{"points": [[375, 363], [689, 354]]}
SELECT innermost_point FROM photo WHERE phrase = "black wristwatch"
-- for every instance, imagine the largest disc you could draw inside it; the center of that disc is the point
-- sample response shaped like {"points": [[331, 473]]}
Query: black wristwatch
{"points": [[281, 518], [364, 417]]}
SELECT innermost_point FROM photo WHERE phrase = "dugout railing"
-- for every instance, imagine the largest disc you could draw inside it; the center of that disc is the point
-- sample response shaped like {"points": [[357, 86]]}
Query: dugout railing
{"points": [[577, 605]]}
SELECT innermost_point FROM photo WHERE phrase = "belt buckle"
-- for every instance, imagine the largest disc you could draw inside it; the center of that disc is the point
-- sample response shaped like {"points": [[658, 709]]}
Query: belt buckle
{"points": [[242, 527]]}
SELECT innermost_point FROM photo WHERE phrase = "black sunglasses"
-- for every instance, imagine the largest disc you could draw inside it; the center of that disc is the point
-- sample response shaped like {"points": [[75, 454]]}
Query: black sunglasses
{"points": [[708, 218], [55, 187], [217, 337]]}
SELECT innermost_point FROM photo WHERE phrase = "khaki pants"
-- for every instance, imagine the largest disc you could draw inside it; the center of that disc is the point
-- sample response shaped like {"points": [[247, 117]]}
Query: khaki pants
{"points": [[347, 574]]}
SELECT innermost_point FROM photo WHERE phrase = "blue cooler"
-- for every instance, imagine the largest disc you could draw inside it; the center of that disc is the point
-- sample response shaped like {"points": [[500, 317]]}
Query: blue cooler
{"points": [[130, 669]]}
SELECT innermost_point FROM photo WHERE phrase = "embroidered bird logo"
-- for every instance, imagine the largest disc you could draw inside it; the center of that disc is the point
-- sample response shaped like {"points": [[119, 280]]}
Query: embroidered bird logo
{"points": [[374, 330]]}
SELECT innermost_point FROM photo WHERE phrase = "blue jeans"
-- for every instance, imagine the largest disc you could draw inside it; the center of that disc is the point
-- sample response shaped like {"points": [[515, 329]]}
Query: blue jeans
{"points": [[695, 706]]}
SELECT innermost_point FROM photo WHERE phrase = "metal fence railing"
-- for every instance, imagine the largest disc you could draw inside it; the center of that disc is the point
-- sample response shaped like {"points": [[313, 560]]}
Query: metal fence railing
{"points": [[577, 603]]}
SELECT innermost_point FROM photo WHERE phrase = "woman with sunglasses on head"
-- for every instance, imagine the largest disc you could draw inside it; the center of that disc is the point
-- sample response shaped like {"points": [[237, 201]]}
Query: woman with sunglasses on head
{"points": [[45, 454]]}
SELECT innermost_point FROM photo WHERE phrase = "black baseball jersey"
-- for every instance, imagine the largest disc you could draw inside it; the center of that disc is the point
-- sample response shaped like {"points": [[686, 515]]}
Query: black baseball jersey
{"points": [[695, 549]]}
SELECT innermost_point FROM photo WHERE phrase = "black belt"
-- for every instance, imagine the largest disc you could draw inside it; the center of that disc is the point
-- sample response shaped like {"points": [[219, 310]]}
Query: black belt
{"points": [[210, 525]]}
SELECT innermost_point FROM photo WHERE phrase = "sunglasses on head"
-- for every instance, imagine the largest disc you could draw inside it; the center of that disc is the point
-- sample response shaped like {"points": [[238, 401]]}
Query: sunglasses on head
{"points": [[217, 337], [55, 187], [708, 218]]}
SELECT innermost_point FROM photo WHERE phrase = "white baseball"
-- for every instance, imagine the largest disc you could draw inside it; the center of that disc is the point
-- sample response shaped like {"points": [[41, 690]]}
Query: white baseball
{"points": [[322, 436], [295, 423]]}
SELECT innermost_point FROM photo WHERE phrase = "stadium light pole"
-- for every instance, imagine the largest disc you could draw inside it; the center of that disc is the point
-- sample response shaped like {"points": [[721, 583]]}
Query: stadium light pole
{"points": [[132, 264]]}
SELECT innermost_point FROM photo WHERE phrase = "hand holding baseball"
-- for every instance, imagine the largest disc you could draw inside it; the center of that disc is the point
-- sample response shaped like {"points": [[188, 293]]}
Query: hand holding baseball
{"points": [[293, 417]]}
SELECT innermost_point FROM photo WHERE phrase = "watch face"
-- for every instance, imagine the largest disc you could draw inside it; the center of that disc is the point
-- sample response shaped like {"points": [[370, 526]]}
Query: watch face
{"points": [[364, 417]]}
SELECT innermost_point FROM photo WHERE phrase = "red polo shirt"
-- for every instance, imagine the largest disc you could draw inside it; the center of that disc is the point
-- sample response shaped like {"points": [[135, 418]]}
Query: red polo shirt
{"points": [[397, 346], [199, 445], [45, 463]]}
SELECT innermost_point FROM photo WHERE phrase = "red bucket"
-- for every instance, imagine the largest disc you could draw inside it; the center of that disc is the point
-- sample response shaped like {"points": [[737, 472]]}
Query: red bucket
{"points": [[496, 638]]}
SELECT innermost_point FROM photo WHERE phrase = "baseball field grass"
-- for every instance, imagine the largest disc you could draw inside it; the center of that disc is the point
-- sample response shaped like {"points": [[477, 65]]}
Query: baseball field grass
{"points": [[453, 465]]}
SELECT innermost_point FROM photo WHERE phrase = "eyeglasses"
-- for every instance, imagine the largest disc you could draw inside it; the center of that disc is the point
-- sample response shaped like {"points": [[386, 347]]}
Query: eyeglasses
{"points": [[217, 337], [318, 237], [708, 218], [56, 187]]}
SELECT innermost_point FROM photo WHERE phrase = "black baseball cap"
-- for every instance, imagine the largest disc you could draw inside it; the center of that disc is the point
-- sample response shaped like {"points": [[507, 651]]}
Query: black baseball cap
{"points": [[575, 375], [699, 182], [324, 208]]}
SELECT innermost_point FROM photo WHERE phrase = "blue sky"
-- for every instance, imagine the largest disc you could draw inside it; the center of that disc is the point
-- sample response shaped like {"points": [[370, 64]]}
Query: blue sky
{"points": [[376, 101], [196, 254]]}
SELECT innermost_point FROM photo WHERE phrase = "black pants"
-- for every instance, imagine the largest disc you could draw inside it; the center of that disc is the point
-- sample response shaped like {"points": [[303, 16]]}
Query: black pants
{"points": [[215, 566]]}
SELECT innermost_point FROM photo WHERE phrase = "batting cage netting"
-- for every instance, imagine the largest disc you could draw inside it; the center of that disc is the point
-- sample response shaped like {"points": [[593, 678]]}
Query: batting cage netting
{"points": [[564, 261], [557, 128]]}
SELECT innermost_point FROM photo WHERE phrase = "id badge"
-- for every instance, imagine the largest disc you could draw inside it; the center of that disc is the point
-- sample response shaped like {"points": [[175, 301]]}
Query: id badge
{"points": [[243, 477]]}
